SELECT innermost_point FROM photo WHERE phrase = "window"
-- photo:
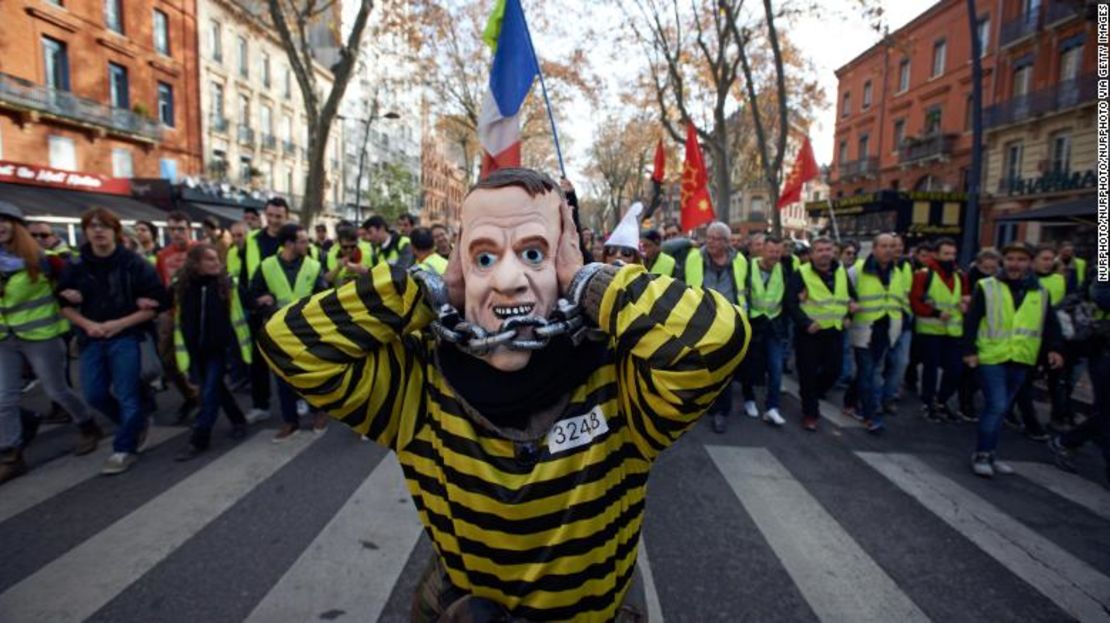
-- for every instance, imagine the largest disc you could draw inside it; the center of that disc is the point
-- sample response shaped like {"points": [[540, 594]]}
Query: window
{"points": [[244, 59], [287, 129], [165, 104], [167, 169], [245, 169], [287, 91], [119, 95], [266, 116], [161, 33], [1022, 77], [846, 105], [1030, 10], [216, 41], [244, 110], [62, 153], [864, 139], [1013, 161], [121, 163], [899, 133], [56, 64], [842, 152], [218, 100], [113, 15], [1070, 61], [984, 29], [1061, 153], [867, 95], [940, 52], [904, 75], [264, 69], [932, 121]]}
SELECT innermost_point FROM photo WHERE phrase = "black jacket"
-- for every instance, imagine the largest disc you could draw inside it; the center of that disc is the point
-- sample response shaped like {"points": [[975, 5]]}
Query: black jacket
{"points": [[109, 286], [206, 320]]}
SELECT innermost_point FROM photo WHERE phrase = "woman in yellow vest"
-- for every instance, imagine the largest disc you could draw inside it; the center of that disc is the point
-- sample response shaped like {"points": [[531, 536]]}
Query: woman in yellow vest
{"points": [[31, 330], [1004, 328], [207, 318]]}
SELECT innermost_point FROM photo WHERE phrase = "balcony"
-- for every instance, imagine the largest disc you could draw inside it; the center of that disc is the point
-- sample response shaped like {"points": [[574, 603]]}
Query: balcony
{"points": [[289, 147], [39, 99], [1060, 11], [1064, 95], [926, 148], [1018, 29], [219, 123], [864, 167], [269, 141], [246, 136]]}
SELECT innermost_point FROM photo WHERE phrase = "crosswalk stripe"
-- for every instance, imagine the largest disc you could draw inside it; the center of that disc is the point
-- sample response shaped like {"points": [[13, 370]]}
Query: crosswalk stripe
{"points": [[1075, 586], [94, 572], [829, 411], [46, 481], [352, 566], [654, 608], [837, 578], [1083, 492]]}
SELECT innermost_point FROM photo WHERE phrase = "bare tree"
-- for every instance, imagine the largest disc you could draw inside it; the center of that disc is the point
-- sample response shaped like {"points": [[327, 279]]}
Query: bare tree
{"points": [[294, 21]]}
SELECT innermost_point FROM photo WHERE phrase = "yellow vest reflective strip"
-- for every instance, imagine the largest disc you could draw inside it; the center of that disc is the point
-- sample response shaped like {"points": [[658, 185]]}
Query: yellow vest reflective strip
{"points": [[1055, 285], [766, 300], [695, 273], [278, 285], [875, 300], [434, 263], [1005, 335], [943, 300], [238, 325], [29, 310], [664, 265], [825, 308]]}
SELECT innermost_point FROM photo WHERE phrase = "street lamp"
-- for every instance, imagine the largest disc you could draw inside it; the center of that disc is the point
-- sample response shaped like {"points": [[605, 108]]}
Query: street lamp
{"points": [[362, 161]]}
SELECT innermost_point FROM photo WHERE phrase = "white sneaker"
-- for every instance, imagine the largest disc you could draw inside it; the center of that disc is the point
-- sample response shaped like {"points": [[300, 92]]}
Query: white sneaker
{"points": [[750, 408], [774, 417], [302, 408], [255, 416], [118, 463], [1004, 469]]}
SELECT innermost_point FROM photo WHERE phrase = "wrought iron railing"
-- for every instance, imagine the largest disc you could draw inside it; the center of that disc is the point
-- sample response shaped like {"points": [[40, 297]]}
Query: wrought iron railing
{"points": [[926, 148], [1063, 95], [44, 99]]}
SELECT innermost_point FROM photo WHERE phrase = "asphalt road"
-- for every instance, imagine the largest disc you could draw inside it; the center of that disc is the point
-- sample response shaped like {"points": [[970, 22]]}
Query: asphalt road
{"points": [[757, 524]]}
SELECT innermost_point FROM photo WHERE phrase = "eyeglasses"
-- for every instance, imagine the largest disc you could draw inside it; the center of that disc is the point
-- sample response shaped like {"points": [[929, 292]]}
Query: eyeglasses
{"points": [[622, 252], [42, 236]]}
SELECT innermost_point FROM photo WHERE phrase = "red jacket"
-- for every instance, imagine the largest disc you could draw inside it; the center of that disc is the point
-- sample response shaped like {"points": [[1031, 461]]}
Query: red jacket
{"points": [[921, 280]]}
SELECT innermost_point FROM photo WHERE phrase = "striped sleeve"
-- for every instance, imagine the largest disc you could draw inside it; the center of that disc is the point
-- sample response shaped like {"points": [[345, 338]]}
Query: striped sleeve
{"points": [[676, 350], [356, 353]]}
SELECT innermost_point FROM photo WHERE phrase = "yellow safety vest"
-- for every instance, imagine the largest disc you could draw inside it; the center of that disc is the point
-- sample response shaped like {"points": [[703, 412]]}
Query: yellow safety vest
{"points": [[278, 285], [695, 273], [664, 265], [434, 263], [944, 300], [28, 309], [904, 272], [1080, 270], [344, 275], [234, 263], [827, 309], [1055, 285], [766, 300], [1005, 335], [875, 300], [393, 254], [238, 325]]}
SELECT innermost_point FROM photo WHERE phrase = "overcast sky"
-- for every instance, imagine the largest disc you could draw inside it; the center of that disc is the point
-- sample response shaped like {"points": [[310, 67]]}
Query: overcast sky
{"points": [[828, 43]]}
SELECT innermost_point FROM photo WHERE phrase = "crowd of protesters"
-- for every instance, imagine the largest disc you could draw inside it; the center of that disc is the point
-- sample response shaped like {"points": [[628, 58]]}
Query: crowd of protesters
{"points": [[885, 323], [140, 317]]}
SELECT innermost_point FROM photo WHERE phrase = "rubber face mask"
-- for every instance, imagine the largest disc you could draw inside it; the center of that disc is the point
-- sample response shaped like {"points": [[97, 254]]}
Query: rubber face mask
{"points": [[508, 262]]}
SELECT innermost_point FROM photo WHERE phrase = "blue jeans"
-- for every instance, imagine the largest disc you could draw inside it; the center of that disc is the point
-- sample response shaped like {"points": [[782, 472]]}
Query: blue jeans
{"points": [[897, 360], [110, 378], [287, 397], [766, 353], [939, 353], [214, 394], [1000, 384], [848, 365], [869, 365]]}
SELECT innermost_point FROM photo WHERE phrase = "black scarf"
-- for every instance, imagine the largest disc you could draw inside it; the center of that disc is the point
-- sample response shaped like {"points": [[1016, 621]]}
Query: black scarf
{"points": [[509, 399]]}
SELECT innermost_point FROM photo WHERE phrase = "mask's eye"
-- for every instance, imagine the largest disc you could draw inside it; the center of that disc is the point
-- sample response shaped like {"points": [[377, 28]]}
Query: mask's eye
{"points": [[485, 259], [533, 256]]}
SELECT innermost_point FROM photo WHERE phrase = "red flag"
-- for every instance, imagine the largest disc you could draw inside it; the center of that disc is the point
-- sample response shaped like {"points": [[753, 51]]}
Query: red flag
{"points": [[804, 169], [660, 163], [697, 209]]}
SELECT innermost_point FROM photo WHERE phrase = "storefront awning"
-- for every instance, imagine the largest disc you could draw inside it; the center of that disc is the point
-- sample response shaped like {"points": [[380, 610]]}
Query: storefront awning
{"points": [[41, 201], [1082, 210], [200, 211]]}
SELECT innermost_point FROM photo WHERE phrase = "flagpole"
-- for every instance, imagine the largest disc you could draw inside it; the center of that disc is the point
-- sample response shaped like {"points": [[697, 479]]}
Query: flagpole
{"points": [[543, 87], [832, 215]]}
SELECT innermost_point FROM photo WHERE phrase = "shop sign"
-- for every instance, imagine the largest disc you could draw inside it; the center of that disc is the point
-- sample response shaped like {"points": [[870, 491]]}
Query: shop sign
{"points": [[37, 175], [1055, 181]]}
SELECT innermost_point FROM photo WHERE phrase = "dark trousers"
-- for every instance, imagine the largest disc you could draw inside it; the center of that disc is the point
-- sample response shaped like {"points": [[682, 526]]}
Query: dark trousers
{"points": [[939, 353], [1096, 427], [287, 397], [819, 356], [214, 395]]}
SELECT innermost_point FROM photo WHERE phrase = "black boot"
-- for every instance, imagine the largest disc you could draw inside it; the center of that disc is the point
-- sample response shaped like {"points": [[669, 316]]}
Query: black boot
{"points": [[12, 465], [90, 437], [31, 422]]}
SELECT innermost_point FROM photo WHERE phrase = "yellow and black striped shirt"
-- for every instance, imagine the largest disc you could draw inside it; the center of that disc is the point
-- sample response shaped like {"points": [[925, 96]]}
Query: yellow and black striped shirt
{"points": [[553, 537]]}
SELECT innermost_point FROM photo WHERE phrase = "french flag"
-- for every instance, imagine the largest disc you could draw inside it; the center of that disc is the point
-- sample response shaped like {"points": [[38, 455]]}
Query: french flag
{"points": [[514, 70]]}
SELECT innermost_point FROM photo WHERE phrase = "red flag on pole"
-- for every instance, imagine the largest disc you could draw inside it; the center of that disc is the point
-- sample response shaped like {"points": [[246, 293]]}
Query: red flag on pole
{"points": [[660, 163], [697, 209], [804, 170]]}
